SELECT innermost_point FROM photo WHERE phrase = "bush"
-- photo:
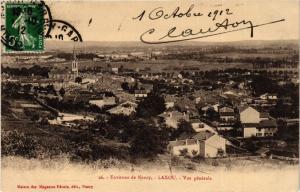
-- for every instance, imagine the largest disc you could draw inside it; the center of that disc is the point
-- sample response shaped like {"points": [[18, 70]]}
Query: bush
{"points": [[147, 142], [183, 152], [17, 144], [151, 106]]}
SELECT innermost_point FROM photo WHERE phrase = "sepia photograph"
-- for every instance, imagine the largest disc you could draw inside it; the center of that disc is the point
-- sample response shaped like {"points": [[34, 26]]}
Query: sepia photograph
{"points": [[150, 96]]}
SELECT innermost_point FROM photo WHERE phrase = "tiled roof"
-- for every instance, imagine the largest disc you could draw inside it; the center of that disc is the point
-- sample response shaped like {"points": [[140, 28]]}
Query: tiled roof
{"points": [[176, 143], [243, 108], [267, 124], [226, 109], [189, 139], [185, 135], [249, 125], [203, 135], [262, 124], [263, 115], [226, 113], [140, 92]]}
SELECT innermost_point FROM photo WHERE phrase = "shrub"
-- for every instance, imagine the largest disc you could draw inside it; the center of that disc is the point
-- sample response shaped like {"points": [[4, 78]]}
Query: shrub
{"points": [[183, 152], [18, 144]]}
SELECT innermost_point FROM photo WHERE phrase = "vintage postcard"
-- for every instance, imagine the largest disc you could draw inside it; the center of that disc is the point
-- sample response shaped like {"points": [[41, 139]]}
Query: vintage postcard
{"points": [[150, 96]]}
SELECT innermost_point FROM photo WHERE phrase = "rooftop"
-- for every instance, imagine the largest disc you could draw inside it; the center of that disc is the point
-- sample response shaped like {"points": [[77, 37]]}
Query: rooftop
{"points": [[203, 135]]}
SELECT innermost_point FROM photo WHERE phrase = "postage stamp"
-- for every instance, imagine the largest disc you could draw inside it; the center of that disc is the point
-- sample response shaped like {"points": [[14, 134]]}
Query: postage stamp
{"points": [[24, 25]]}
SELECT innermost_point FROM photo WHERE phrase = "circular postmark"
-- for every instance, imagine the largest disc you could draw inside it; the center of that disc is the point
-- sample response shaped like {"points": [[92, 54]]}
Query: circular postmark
{"points": [[62, 30]]}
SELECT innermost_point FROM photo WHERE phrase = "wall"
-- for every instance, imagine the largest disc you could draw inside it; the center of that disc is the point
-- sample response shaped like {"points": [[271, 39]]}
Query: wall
{"points": [[249, 115], [212, 145], [249, 131], [193, 147]]}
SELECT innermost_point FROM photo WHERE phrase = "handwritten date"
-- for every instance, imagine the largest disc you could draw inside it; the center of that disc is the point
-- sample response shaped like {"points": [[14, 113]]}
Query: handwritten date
{"points": [[160, 13]]}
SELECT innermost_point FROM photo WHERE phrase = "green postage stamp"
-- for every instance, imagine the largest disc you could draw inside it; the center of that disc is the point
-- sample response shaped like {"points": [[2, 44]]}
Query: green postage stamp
{"points": [[24, 23]]}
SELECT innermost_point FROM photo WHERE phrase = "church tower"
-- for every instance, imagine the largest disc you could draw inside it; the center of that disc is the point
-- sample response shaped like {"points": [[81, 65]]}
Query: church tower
{"points": [[74, 64]]}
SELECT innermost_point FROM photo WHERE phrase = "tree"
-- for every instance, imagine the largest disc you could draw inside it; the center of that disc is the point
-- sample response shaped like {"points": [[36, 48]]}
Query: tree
{"points": [[50, 89], [212, 115], [220, 152], [184, 152], [262, 84], [27, 88], [44, 121], [125, 86], [121, 68], [62, 92], [151, 106], [147, 142], [78, 80], [184, 127], [35, 117]]}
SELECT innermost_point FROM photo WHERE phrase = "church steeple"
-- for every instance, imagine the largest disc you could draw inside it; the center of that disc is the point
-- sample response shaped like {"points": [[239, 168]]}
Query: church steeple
{"points": [[75, 63]]}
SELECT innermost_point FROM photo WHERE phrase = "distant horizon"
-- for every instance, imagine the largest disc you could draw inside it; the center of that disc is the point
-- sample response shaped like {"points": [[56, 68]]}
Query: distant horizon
{"points": [[63, 45]]}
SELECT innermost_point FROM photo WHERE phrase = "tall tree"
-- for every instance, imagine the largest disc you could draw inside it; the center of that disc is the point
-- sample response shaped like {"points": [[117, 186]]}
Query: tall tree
{"points": [[151, 106], [147, 142]]}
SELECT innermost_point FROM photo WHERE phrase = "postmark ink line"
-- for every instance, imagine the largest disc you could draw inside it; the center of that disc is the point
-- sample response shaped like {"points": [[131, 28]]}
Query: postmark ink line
{"points": [[71, 26], [203, 36]]}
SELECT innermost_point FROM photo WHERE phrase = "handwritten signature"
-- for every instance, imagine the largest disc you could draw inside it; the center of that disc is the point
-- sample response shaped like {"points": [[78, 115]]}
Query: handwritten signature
{"points": [[176, 35]]}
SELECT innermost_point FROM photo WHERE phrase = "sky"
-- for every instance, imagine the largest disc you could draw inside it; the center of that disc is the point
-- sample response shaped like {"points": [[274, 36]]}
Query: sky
{"points": [[112, 21]]}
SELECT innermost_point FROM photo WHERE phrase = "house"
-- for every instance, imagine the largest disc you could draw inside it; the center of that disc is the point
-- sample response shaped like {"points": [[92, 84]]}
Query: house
{"points": [[257, 124], [203, 144], [68, 117], [264, 128], [249, 115], [172, 118], [61, 73], [105, 101], [144, 86], [140, 94], [170, 101], [127, 108], [115, 70], [268, 96], [227, 114]]}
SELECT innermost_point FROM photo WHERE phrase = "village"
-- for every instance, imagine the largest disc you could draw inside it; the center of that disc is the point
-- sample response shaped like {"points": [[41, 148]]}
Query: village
{"points": [[180, 111]]}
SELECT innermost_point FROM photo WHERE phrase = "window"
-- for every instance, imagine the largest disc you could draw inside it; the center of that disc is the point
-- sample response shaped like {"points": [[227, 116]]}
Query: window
{"points": [[258, 134]]}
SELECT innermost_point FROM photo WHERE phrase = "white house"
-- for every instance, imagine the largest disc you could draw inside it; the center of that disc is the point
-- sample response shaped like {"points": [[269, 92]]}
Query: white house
{"points": [[68, 117], [140, 93], [172, 118], [264, 128], [249, 115], [105, 101], [257, 124], [115, 70], [203, 144], [127, 108], [227, 114], [268, 96]]}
